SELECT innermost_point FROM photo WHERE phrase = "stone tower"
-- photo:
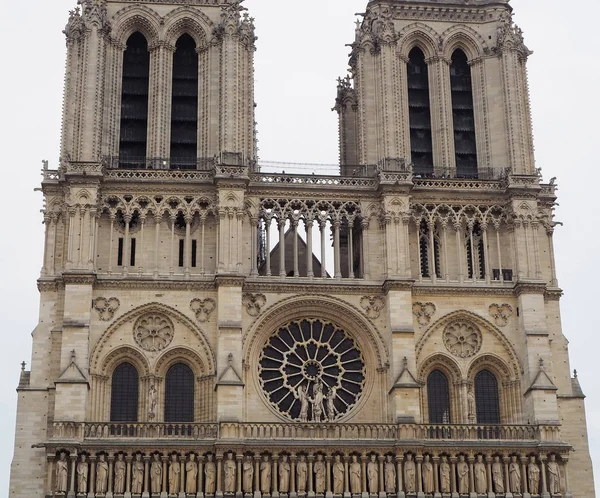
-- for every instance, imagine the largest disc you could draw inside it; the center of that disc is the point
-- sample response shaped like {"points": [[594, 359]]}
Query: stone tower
{"points": [[195, 338]]}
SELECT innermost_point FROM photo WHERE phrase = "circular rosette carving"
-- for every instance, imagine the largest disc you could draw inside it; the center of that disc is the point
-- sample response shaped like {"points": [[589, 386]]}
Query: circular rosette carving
{"points": [[153, 332], [462, 339], [312, 370]]}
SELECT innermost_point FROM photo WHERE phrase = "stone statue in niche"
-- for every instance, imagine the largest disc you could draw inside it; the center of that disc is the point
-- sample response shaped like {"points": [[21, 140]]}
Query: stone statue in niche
{"points": [[120, 469], [265, 475], [472, 405], [62, 469], [229, 470], [284, 474], [152, 402], [389, 471], [373, 474], [480, 475], [497, 476], [82, 475], [137, 475], [355, 476], [331, 410], [427, 471], [301, 474], [174, 475], [444, 475], [338, 475], [409, 474], [533, 474], [156, 474], [462, 471], [101, 474], [191, 474], [514, 473], [248, 474], [553, 476], [317, 401], [319, 470], [210, 475]]}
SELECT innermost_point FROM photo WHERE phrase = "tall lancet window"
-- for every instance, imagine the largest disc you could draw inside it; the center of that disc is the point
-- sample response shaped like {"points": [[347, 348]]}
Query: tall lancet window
{"points": [[134, 103], [184, 105], [419, 114], [463, 117]]}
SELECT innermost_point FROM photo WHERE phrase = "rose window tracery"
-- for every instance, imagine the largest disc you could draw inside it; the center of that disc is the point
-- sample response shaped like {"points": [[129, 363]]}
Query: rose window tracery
{"points": [[312, 371], [153, 332], [462, 339]]}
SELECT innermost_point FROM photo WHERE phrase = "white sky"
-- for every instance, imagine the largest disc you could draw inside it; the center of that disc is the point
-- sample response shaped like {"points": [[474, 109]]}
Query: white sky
{"points": [[300, 54]]}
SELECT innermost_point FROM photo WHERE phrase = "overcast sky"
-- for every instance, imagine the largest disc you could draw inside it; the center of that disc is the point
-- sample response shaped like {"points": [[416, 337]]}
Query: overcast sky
{"points": [[301, 52]]}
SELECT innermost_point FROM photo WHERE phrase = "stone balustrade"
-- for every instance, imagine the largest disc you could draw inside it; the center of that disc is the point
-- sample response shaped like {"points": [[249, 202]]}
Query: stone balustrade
{"points": [[277, 432]]}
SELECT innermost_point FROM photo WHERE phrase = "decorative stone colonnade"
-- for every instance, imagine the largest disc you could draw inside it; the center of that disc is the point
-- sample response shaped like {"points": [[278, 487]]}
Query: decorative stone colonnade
{"points": [[305, 460]]}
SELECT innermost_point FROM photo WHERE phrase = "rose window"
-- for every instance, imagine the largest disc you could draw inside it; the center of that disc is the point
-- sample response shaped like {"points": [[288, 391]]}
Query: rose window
{"points": [[462, 339], [312, 371], [153, 332]]}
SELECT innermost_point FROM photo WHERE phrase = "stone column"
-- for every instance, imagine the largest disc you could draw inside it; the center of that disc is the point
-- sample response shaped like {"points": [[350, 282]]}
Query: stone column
{"points": [[71, 492], [181, 476], [239, 457], [453, 476], [346, 478], [382, 492], [275, 476], [146, 476], [200, 476], [400, 475], [257, 493], [363, 474], [165, 471], [507, 489], [419, 460], [293, 475], [310, 476], [525, 483], [218, 489], [436, 475], [568, 493], [308, 224], [471, 460], [328, 476], [92, 477], [281, 225], [488, 466], [545, 493], [111, 463], [50, 475], [128, 476]]}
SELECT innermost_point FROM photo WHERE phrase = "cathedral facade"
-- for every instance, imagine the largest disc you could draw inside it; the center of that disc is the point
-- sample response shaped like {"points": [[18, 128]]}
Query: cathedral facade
{"points": [[209, 329]]}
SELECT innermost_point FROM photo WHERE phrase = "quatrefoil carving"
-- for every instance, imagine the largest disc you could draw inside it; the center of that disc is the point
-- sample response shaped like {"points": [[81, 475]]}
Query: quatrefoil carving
{"points": [[203, 308], [106, 307], [254, 303], [372, 305], [423, 312], [501, 313]]}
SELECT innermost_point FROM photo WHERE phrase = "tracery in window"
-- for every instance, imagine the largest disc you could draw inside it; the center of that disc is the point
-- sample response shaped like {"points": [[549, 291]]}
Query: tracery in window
{"points": [[475, 252], [486, 398], [463, 116], [429, 254], [421, 148], [124, 394], [184, 105], [438, 398], [179, 394], [134, 103]]}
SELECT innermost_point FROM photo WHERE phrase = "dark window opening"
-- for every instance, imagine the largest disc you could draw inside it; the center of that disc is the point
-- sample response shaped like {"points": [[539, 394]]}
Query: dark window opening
{"points": [[194, 252], [120, 252], [124, 394], [425, 251], [134, 103], [179, 394], [438, 397], [184, 105], [486, 398], [181, 251], [475, 259], [463, 116], [132, 254], [419, 113]]}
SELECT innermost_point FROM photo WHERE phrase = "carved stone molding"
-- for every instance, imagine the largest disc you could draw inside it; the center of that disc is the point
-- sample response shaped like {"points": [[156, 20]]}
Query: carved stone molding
{"points": [[106, 307], [253, 303], [153, 332], [500, 313], [203, 308], [462, 338], [423, 312], [372, 305]]}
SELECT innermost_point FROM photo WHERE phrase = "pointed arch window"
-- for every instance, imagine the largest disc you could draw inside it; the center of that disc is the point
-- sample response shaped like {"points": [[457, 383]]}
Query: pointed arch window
{"points": [[438, 398], [179, 394], [184, 105], [124, 394], [486, 398], [419, 113], [134, 103], [429, 255], [475, 252], [462, 116]]}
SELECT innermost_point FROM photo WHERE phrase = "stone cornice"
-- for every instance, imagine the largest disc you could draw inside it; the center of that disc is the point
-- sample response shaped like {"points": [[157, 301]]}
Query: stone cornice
{"points": [[154, 284], [532, 287], [307, 286], [229, 280], [553, 294], [420, 289], [71, 277]]}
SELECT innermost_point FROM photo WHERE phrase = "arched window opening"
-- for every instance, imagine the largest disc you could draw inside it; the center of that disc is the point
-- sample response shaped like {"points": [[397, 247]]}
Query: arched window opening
{"points": [[134, 103], [463, 117], [179, 394], [486, 398], [419, 113], [184, 105], [429, 256], [475, 252], [124, 394], [438, 398]]}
